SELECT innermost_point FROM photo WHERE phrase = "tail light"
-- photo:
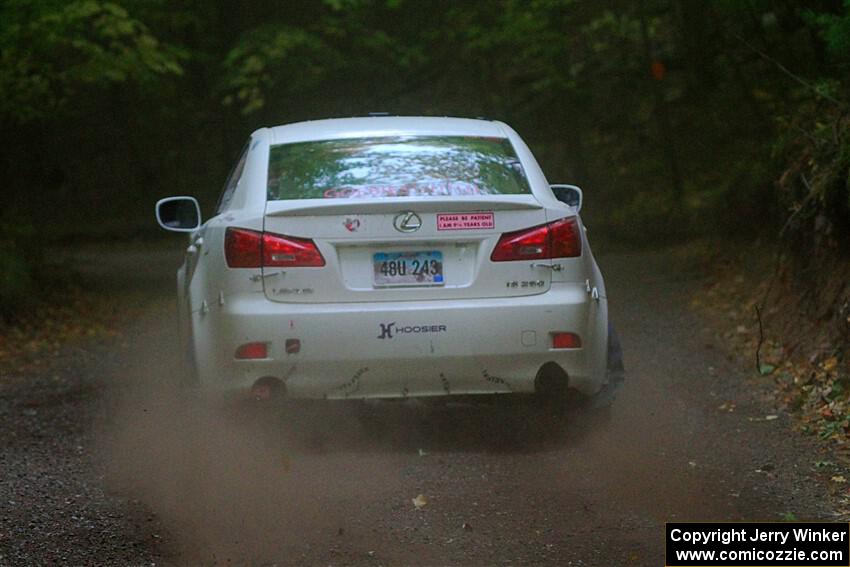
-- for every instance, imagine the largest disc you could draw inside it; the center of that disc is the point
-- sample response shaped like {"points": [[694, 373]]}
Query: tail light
{"points": [[559, 239], [245, 248], [288, 251]]}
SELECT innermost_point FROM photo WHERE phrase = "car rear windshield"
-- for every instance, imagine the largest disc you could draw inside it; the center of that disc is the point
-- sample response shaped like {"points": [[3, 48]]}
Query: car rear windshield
{"points": [[401, 166]]}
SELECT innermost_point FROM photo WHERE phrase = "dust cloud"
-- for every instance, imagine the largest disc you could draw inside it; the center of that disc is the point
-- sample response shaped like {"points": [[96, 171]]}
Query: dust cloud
{"points": [[235, 481], [232, 480]]}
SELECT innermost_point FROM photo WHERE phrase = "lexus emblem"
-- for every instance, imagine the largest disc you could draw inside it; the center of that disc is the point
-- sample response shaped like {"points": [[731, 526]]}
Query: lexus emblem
{"points": [[407, 221]]}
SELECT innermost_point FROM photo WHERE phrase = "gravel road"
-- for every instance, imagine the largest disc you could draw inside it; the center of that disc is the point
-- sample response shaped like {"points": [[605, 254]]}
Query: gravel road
{"points": [[104, 463]]}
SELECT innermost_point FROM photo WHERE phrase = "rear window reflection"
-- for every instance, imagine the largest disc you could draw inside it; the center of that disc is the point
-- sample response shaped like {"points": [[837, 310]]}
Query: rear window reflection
{"points": [[409, 166]]}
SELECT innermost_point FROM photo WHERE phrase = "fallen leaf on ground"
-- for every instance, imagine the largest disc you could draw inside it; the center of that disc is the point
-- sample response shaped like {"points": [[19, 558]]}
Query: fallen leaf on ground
{"points": [[766, 369], [830, 363], [420, 501]]}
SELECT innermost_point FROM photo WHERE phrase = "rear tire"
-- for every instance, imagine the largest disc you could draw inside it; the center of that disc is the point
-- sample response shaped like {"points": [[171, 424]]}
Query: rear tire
{"points": [[553, 397], [595, 413]]}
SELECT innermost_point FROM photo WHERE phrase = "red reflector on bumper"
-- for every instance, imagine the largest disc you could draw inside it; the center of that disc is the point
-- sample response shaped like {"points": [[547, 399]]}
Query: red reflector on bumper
{"points": [[252, 350], [566, 340]]}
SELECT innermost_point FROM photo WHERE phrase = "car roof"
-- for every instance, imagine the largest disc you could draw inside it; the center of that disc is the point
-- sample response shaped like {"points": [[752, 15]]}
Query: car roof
{"points": [[378, 126]]}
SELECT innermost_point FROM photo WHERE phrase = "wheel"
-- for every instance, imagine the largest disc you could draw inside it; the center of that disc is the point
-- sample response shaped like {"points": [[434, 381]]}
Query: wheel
{"points": [[595, 413]]}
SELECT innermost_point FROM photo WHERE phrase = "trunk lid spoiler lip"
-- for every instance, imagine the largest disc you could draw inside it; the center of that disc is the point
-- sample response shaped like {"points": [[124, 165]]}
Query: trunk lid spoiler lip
{"points": [[312, 207]]}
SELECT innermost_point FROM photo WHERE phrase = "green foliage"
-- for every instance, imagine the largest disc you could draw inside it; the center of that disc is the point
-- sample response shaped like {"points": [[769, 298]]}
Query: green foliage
{"points": [[274, 61], [788, 517], [835, 30], [50, 49], [832, 429]]}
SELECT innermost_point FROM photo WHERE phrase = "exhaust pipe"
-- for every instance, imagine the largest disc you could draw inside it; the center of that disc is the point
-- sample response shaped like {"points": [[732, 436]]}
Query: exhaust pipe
{"points": [[268, 388]]}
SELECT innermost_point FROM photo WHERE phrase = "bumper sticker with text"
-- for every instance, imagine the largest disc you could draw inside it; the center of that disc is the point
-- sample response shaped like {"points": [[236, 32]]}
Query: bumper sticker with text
{"points": [[465, 221]]}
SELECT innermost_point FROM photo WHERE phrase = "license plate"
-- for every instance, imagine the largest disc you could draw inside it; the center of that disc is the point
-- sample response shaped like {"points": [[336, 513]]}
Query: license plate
{"points": [[408, 268]]}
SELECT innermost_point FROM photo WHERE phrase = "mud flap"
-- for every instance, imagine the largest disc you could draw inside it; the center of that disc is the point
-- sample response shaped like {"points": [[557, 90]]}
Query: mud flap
{"points": [[614, 372]]}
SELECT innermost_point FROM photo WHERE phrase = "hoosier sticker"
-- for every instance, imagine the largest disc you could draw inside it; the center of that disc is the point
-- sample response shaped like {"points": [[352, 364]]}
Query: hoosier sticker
{"points": [[465, 221]]}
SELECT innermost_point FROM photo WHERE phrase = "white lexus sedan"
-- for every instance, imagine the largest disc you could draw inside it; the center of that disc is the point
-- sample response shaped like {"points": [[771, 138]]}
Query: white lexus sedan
{"points": [[392, 257]]}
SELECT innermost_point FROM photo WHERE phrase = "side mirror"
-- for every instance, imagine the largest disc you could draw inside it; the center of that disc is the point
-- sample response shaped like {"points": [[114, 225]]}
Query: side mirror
{"points": [[568, 194], [178, 214]]}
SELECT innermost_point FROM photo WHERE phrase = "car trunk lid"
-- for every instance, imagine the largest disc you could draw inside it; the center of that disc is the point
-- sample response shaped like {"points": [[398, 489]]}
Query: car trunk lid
{"points": [[366, 243]]}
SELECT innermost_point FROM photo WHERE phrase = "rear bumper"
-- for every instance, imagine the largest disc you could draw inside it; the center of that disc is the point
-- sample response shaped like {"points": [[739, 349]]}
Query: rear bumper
{"points": [[405, 349]]}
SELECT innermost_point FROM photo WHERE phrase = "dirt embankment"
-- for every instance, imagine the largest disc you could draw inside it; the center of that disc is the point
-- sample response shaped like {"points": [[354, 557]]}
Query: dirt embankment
{"points": [[789, 321]]}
